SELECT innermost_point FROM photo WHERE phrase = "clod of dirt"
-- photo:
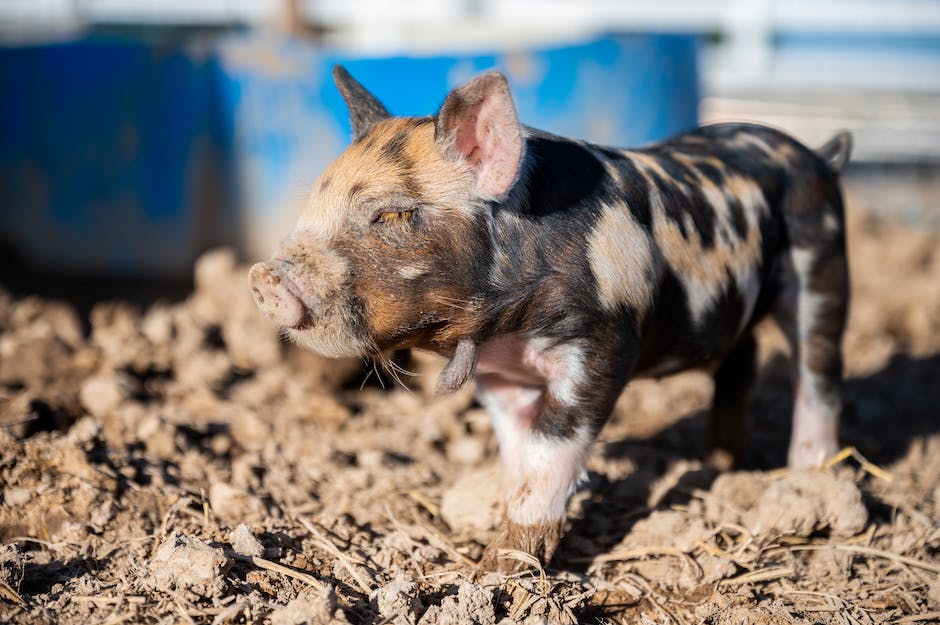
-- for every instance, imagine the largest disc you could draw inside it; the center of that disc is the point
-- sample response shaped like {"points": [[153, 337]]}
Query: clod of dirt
{"points": [[249, 430], [677, 532], [11, 565], [84, 432], [157, 324], [50, 318], [472, 605], [811, 501], [398, 602], [16, 497], [232, 503], [157, 437], [799, 503], [746, 615], [466, 450], [540, 601], [42, 363], [222, 297], [183, 563], [933, 591], [313, 609], [244, 542], [101, 394], [114, 333], [474, 501]]}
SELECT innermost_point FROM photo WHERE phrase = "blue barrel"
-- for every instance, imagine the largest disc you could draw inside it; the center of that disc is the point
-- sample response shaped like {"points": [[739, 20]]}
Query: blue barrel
{"points": [[111, 158]]}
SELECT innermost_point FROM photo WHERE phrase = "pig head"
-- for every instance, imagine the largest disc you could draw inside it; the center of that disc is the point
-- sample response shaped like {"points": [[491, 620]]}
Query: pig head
{"points": [[393, 248]]}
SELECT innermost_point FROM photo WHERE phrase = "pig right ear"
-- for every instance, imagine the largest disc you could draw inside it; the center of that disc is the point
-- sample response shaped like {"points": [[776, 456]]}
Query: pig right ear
{"points": [[477, 123], [364, 108]]}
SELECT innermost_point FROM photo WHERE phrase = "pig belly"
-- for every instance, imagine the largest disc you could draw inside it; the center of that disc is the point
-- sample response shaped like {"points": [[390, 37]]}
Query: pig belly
{"points": [[673, 340]]}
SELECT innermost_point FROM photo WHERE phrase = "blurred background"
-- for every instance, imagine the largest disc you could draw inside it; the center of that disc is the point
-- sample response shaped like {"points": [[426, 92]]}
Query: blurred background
{"points": [[134, 135]]}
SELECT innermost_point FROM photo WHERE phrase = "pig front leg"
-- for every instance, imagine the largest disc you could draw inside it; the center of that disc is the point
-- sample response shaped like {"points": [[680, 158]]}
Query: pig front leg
{"points": [[545, 432], [540, 470]]}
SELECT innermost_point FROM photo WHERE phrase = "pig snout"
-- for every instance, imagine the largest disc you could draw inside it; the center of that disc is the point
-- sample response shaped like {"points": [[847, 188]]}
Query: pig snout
{"points": [[273, 296], [305, 288]]}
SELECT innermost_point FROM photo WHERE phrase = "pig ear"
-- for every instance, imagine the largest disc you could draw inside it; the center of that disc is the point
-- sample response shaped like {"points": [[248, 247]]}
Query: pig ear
{"points": [[364, 108], [477, 123]]}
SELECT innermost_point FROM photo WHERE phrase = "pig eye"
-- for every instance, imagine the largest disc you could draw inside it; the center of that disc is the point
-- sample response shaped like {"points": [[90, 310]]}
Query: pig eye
{"points": [[399, 216]]}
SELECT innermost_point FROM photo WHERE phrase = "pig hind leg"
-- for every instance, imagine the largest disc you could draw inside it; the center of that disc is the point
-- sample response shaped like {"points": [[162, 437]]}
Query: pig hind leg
{"points": [[727, 436], [812, 311]]}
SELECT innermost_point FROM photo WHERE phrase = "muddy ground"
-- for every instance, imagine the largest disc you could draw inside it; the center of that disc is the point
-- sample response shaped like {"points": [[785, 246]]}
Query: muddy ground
{"points": [[179, 464]]}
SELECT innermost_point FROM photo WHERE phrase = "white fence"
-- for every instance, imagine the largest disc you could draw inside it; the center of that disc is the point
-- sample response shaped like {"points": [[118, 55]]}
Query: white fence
{"points": [[885, 85], [743, 52]]}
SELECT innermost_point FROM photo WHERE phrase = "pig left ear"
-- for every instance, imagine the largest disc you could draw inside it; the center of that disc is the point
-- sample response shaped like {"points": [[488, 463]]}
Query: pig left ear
{"points": [[477, 123], [364, 108]]}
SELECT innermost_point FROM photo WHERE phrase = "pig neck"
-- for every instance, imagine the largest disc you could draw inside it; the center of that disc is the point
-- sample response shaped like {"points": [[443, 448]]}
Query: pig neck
{"points": [[540, 281]]}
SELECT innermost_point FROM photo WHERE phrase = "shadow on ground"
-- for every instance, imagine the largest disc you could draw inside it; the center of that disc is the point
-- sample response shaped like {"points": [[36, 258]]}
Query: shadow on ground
{"points": [[884, 413]]}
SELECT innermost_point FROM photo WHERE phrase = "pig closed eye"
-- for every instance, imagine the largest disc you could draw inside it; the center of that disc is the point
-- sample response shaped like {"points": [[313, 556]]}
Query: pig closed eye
{"points": [[393, 216]]}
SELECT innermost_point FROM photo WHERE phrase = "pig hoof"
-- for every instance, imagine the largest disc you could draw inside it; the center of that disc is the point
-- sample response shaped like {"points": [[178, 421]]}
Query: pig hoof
{"points": [[494, 561], [508, 552]]}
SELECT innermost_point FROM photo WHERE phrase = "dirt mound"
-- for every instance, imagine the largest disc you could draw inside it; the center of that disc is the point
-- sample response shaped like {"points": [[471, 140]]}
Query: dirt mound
{"points": [[181, 464]]}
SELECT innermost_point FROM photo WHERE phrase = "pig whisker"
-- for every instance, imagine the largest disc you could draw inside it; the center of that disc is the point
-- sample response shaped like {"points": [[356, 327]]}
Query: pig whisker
{"points": [[369, 373], [378, 376], [378, 359], [460, 304], [397, 367], [390, 368]]}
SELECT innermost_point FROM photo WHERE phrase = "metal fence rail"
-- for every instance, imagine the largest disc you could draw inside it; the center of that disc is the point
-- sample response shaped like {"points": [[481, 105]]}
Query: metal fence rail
{"points": [[807, 65]]}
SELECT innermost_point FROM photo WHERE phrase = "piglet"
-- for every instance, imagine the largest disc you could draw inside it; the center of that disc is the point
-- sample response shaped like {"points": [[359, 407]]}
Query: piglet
{"points": [[551, 271]]}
